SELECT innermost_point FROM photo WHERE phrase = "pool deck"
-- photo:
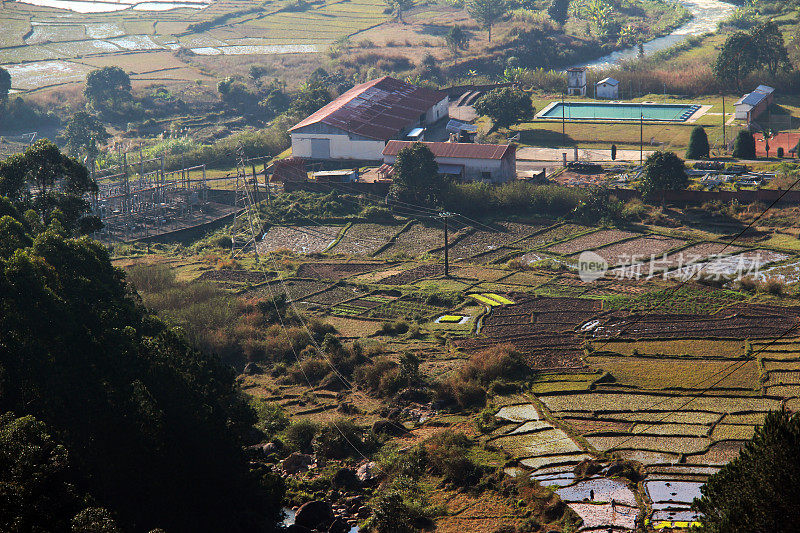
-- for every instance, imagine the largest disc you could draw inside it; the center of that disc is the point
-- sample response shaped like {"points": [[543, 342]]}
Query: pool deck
{"points": [[541, 115], [699, 113]]}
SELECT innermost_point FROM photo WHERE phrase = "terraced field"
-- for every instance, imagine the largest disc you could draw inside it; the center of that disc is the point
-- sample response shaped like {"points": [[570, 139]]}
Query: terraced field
{"points": [[49, 43]]}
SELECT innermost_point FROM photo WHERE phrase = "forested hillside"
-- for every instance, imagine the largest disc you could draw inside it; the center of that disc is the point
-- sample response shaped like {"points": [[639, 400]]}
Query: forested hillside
{"points": [[113, 423]]}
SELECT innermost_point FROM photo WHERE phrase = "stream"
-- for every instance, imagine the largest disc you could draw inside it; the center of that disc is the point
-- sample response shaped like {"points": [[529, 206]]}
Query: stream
{"points": [[706, 15]]}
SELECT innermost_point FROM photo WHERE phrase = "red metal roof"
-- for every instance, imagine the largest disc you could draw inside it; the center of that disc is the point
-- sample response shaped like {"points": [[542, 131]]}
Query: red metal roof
{"points": [[377, 109], [455, 150]]}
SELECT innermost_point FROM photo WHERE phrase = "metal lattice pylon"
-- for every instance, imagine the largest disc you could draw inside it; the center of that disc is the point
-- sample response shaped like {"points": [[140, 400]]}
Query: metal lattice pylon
{"points": [[247, 221]]}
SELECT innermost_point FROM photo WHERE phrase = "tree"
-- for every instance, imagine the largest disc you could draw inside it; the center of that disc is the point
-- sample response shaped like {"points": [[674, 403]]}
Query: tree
{"points": [[5, 84], [82, 133], [312, 96], [107, 87], [663, 171], [558, 11], [457, 39], [698, 144], [29, 178], [771, 51], [397, 7], [505, 106], [737, 58], [153, 429], [744, 147], [416, 176], [487, 12], [760, 489]]}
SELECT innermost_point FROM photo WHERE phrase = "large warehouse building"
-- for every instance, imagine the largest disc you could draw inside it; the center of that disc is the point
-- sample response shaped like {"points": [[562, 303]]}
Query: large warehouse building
{"points": [[359, 123]]}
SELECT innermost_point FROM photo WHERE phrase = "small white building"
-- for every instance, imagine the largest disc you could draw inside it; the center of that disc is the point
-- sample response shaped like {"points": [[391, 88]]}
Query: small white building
{"points": [[576, 81], [359, 123], [607, 88], [751, 105], [496, 163]]}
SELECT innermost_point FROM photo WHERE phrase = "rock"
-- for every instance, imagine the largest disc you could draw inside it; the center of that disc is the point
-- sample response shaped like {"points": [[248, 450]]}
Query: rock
{"points": [[294, 528], [251, 369], [367, 472], [388, 427], [275, 446], [339, 526], [297, 462], [313, 514], [345, 478]]}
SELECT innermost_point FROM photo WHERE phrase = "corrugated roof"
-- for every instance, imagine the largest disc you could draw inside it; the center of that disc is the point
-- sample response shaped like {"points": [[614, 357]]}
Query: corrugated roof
{"points": [[610, 81], [751, 99], [455, 150], [764, 89], [377, 109]]}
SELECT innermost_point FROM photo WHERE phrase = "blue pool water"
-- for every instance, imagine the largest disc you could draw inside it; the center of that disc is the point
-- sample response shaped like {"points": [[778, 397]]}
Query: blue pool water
{"points": [[620, 111]]}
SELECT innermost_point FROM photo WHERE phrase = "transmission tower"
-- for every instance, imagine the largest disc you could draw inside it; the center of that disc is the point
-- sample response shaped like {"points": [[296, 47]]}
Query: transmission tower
{"points": [[247, 220]]}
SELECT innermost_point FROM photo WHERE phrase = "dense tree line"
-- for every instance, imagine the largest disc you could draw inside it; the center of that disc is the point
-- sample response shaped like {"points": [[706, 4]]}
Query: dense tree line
{"points": [[113, 423]]}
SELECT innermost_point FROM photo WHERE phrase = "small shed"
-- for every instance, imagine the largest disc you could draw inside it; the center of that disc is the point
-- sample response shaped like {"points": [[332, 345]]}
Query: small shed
{"points": [[336, 176], [576, 81], [607, 88]]}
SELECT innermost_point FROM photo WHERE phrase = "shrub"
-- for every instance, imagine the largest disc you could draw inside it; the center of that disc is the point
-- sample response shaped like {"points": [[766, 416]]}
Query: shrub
{"points": [[394, 328], [310, 370], [400, 507], [698, 144], [153, 277], [634, 209], [774, 286], [781, 152], [299, 435], [497, 362], [466, 394], [748, 284], [271, 417], [448, 456], [338, 439], [744, 147]]}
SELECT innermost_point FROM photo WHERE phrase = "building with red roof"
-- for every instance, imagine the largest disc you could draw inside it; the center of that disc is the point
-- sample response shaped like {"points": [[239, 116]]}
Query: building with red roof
{"points": [[359, 123], [496, 163]]}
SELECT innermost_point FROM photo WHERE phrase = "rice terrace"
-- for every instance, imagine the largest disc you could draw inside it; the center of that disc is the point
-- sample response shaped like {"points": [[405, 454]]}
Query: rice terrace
{"points": [[399, 266], [664, 377]]}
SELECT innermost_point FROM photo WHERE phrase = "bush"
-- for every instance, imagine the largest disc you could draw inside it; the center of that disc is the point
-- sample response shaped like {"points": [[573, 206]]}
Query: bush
{"points": [[774, 286], [467, 394], [698, 144], [495, 363], [271, 417], [154, 277], [310, 370], [400, 507], [744, 147], [339, 439], [300, 435], [448, 456], [394, 328], [634, 209]]}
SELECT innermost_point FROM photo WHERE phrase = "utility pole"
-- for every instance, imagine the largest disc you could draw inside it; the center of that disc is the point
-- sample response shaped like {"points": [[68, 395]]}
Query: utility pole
{"points": [[641, 136], [266, 181], [446, 215], [724, 137]]}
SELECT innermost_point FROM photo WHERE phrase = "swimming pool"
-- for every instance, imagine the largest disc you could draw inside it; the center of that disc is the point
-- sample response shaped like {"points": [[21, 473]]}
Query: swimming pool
{"points": [[618, 111]]}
